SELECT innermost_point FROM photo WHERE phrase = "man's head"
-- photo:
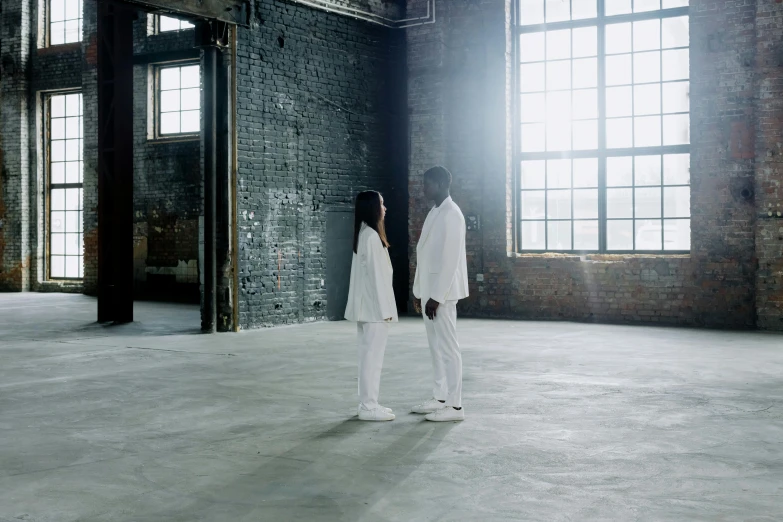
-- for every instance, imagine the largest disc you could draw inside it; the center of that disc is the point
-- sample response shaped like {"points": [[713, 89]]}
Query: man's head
{"points": [[437, 183]]}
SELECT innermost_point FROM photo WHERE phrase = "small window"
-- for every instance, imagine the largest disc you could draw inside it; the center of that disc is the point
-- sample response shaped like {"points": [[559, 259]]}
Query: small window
{"points": [[65, 21], [166, 24], [64, 150], [178, 100]]}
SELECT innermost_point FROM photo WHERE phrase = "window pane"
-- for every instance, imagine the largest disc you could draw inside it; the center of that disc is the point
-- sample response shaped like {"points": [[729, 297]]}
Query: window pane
{"points": [[533, 173], [57, 266], [533, 235], [619, 203], [72, 172], [558, 44], [168, 24], [533, 108], [58, 106], [532, 12], [585, 135], [619, 172], [647, 67], [648, 170], [558, 75], [668, 4], [647, 35], [647, 99], [57, 10], [533, 203], [58, 222], [619, 133], [583, 9], [191, 121], [677, 169], [647, 131], [586, 172], [676, 97], [169, 101], [58, 199], [169, 123], [647, 203], [648, 235], [558, 10], [558, 204], [72, 221], [618, 38], [72, 150], [58, 244], [190, 77], [585, 41], [676, 65], [71, 266], [58, 151], [558, 174], [677, 234], [73, 105], [191, 99], [675, 32], [559, 235], [169, 78], [646, 5], [72, 127], [72, 247], [58, 173], [585, 235], [558, 106], [676, 129], [585, 105], [676, 202], [72, 199], [57, 33], [619, 101], [532, 77], [615, 7], [558, 135], [586, 204], [618, 70], [531, 47], [533, 137], [619, 235], [58, 129], [585, 73]]}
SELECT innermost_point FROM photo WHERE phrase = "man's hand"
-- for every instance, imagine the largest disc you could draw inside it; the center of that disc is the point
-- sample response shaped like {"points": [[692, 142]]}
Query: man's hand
{"points": [[432, 308], [417, 305]]}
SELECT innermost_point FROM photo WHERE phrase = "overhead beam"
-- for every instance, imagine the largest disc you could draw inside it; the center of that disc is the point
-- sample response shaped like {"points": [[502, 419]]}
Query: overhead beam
{"points": [[234, 12]]}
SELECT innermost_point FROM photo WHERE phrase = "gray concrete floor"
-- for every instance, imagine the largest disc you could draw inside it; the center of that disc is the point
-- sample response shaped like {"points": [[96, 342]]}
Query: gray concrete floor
{"points": [[149, 422]]}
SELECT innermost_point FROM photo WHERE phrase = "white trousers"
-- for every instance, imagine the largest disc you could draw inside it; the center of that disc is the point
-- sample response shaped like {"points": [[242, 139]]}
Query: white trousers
{"points": [[446, 356], [372, 346]]}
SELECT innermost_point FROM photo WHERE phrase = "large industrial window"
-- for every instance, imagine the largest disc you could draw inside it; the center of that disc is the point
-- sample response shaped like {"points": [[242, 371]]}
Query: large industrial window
{"points": [[167, 24], [64, 21], [64, 140], [602, 126], [178, 100]]}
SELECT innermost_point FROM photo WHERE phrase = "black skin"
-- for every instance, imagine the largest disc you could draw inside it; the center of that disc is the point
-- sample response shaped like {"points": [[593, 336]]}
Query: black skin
{"points": [[436, 192]]}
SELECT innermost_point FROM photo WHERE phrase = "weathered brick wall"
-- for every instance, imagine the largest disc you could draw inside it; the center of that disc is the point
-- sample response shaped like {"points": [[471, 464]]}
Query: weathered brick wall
{"points": [[459, 92], [769, 164], [167, 184], [316, 122]]}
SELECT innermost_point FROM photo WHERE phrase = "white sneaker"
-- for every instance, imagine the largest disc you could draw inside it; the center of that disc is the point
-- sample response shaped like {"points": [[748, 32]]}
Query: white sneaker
{"points": [[387, 410], [447, 414], [377, 414], [428, 406]]}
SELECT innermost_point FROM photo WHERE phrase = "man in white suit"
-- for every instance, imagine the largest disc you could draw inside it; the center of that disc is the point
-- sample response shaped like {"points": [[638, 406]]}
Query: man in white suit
{"points": [[442, 280]]}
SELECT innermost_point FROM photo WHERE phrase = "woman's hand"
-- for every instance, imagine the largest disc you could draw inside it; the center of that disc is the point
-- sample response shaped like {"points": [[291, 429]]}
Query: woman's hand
{"points": [[432, 308]]}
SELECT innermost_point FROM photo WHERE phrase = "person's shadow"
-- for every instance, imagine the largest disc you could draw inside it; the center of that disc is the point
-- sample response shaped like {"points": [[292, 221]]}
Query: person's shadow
{"points": [[327, 477]]}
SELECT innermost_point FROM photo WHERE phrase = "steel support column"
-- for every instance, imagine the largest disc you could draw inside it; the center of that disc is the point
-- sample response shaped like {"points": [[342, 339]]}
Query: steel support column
{"points": [[115, 161]]}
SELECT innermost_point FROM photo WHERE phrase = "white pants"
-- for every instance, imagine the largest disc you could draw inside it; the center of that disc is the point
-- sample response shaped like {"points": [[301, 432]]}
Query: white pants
{"points": [[446, 356], [372, 346]]}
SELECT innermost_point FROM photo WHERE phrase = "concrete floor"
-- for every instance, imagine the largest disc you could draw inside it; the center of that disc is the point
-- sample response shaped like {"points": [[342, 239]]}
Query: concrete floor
{"points": [[147, 422]]}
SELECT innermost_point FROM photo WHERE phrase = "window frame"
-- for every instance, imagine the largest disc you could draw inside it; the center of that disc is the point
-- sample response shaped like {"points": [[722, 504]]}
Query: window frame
{"points": [[156, 95], [46, 136], [156, 25], [602, 153]]}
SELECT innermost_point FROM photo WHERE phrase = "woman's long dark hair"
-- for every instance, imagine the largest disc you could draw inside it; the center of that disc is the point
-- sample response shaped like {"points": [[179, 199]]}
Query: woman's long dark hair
{"points": [[368, 210]]}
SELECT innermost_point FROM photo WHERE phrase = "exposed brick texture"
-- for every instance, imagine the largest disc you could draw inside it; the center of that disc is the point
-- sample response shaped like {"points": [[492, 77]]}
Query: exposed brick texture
{"points": [[316, 122], [459, 90]]}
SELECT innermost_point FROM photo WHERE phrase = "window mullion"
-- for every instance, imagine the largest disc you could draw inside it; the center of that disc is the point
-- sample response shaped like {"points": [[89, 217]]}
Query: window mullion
{"points": [[602, 226]]}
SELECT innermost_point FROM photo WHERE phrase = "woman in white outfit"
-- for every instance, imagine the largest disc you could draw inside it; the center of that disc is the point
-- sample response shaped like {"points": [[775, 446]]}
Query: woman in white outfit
{"points": [[371, 301]]}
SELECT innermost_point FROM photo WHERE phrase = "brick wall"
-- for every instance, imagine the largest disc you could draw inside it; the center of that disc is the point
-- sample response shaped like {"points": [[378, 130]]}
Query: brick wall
{"points": [[317, 116], [459, 90]]}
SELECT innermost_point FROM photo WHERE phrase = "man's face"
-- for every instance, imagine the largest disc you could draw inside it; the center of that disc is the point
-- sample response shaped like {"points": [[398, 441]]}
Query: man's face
{"points": [[431, 189]]}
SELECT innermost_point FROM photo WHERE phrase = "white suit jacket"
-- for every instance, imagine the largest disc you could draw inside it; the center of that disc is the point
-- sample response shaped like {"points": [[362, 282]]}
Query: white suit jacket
{"points": [[371, 295], [441, 261]]}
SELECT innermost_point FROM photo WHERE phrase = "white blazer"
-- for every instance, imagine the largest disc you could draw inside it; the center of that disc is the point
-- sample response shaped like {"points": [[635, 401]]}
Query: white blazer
{"points": [[441, 260], [371, 295]]}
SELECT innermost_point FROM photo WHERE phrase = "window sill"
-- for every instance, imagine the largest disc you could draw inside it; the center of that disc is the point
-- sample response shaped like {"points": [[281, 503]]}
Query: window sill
{"points": [[60, 48], [596, 258], [70, 286], [183, 138]]}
